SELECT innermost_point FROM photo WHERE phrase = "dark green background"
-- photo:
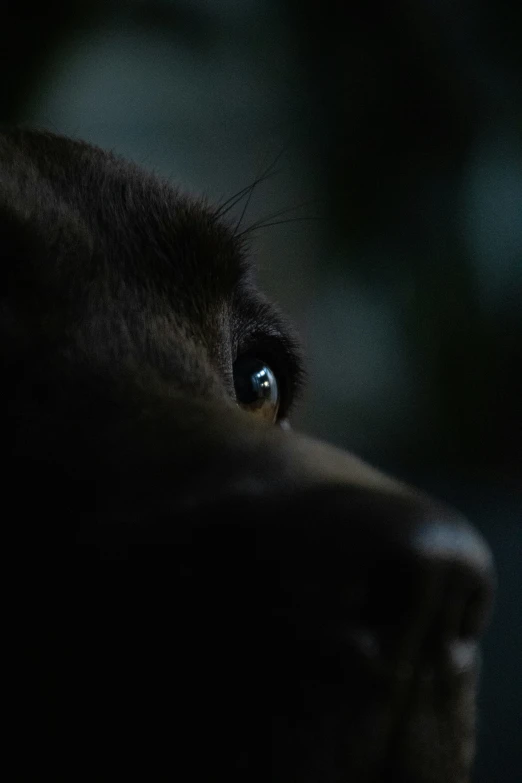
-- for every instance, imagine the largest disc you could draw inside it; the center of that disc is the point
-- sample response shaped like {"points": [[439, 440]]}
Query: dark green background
{"points": [[397, 131]]}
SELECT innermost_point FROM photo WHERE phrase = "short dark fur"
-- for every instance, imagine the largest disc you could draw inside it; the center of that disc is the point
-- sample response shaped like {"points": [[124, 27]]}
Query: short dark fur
{"points": [[236, 641]]}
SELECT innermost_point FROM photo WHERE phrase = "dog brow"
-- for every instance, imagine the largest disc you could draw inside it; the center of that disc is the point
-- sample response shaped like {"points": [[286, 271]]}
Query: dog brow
{"points": [[144, 222]]}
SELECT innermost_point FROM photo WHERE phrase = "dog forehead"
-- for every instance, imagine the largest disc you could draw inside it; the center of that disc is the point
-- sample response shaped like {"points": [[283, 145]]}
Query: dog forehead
{"points": [[109, 262], [100, 252], [141, 227]]}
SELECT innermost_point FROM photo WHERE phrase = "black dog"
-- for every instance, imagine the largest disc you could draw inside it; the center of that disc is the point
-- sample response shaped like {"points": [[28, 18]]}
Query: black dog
{"points": [[286, 613]]}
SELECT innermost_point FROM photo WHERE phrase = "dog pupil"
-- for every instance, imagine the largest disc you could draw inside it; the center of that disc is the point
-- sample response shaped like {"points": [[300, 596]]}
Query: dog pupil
{"points": [[256, 387]]}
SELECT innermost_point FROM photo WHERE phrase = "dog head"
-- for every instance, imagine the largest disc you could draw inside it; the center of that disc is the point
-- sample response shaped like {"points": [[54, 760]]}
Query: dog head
{"points": [[285, 612]]}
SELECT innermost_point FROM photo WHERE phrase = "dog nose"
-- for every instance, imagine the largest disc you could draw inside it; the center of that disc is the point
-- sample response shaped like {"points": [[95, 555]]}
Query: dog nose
{"points": [[459, 564], [404, 574], [348, 552], [418, 578]]}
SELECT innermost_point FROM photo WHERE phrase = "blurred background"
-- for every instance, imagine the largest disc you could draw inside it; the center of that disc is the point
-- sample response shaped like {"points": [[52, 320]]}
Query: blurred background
{"points": [[393, 138]]}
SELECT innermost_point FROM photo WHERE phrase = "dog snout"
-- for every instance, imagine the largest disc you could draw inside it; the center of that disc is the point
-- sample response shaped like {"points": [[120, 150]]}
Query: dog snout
{"points": [[397, 575], [427, 590]]}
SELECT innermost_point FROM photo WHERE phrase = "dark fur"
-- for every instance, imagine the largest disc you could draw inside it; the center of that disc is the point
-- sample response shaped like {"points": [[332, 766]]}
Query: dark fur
{"points": [[285, 613]]}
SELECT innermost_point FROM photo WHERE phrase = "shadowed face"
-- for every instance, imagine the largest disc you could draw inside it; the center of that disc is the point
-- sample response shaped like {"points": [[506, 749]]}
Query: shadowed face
{"points": [[284, 612]]}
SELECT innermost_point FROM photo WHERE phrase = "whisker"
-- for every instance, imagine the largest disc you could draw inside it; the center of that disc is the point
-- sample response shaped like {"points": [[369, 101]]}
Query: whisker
{"points": [[269, 171], [245, 207], [259, 225], [275, 215], [231, 202]]}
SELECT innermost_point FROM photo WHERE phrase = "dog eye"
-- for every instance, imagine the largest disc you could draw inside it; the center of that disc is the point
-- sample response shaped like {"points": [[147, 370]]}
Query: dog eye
{"points": [[256, 388]]}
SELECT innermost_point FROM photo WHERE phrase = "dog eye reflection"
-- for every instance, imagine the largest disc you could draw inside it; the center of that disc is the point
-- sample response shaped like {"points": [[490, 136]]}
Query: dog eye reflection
{"points": [[256, 388]]}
